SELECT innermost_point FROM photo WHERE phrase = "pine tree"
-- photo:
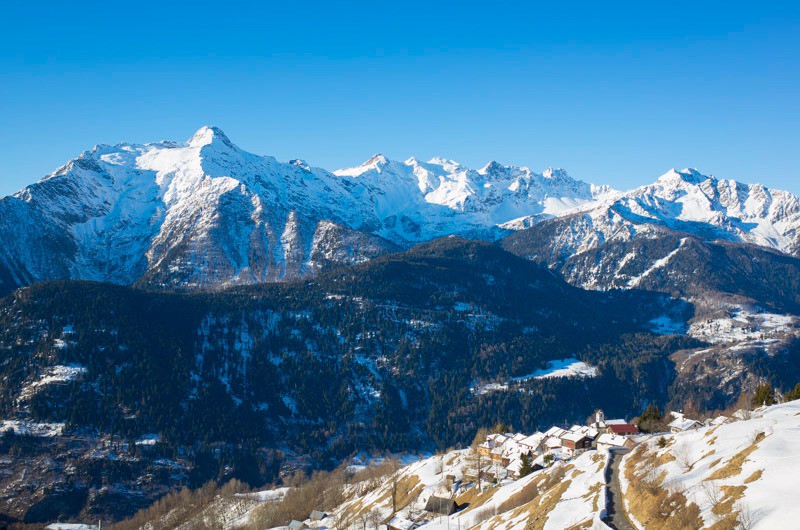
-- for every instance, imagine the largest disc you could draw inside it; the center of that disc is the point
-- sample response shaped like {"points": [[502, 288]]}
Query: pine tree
{"points": [[794, 394], [525, 465], [764, 396]]}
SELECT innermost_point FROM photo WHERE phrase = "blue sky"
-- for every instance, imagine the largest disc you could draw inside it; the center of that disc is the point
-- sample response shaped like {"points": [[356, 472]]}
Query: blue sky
{"points": [[615, 95]]}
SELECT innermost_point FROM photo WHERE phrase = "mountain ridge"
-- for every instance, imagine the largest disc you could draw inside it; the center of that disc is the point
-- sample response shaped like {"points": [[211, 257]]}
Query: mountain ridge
{"points": [[206, 214]]}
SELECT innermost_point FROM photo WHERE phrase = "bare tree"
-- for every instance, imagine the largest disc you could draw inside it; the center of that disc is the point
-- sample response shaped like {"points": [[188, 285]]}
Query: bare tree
{"points": [[744, 516], [339, 521], [683, 456], [374, 518], [394, 493], [713, 493]]}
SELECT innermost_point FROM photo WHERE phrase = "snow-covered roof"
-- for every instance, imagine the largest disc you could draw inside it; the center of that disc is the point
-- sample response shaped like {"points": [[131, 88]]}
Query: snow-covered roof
{"points": [[553, 442], [683, 424], [573, 436], [590, 432], [719, 420], [533, 440], [554, 431], [613, 440], [615, 422]]}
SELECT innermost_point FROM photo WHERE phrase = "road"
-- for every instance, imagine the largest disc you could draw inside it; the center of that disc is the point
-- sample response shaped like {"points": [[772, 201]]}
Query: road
{"points": [[615, 508]]}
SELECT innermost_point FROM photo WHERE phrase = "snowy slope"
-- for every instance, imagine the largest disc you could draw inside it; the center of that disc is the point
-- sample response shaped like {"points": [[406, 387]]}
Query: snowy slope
{"points": [[746, 467], [565, 495]]}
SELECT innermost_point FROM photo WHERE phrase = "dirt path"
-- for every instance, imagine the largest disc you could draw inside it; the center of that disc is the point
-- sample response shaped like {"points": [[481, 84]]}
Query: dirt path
{"points": [[615, 508]]}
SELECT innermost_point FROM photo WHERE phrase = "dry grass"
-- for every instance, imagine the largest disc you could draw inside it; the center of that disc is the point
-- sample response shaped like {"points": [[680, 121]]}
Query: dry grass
{"points": [[523, 496], [650, 502], [755, 476], [665, 458], [474, 498], [734, 466], [546, 503], [730, 494], [710, 453], [594, 494]]}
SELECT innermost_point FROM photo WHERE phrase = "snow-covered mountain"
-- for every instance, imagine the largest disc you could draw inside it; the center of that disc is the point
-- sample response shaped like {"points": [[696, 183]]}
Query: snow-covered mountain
{"points": [[205, 213], [703, 205], [662, 235]]}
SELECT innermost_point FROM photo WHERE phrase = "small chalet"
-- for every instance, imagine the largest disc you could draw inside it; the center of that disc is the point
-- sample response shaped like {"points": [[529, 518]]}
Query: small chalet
{"points": [[719, 420], [441, 506], [681, 423], [572, 442]]}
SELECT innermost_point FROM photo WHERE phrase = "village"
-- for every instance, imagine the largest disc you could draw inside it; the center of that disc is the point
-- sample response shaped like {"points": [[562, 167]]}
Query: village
{"points": [[501, 460]]}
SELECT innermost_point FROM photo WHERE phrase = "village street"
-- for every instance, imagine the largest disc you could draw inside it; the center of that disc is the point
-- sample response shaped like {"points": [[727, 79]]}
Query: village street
{"points": [[615, 507]]}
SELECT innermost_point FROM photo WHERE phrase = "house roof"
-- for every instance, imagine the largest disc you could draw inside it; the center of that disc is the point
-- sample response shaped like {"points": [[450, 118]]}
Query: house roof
{"points": [[623, 428], [612, 440], [514, 465], [317, 515], [590, 432], [497, 438], [553, 442], [297, 525], [441, 505], [533, 440], [683, 424], [554, 431], [719, 420], [615, 422], [574, 437]]}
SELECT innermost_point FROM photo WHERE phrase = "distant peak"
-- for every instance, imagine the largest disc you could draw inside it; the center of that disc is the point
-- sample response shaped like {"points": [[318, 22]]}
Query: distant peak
{"points": [[556, 173], [492, 167], [375, 160], [208, 135], [688, 175], [444, 162]]}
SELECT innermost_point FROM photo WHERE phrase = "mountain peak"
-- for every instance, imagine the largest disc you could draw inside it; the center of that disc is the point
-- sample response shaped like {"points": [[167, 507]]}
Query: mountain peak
{"points": [[557, 173], [492, 167], [688, 175], [376, 160], [208, 135]]}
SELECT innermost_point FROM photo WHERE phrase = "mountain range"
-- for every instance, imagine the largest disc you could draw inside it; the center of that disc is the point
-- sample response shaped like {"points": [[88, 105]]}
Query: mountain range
{"points": [[184, 312], [205, 214]]}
